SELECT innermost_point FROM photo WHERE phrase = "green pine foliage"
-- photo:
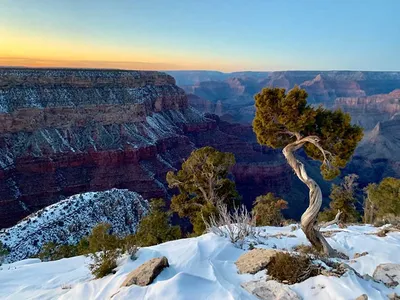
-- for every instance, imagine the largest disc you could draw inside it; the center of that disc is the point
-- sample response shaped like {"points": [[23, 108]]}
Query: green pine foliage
{"points": [[282, 118], [104, 250], [3, 253], [52, 251], [343, 198], [203, 183], [382, 200], [267, 210], [155, 227]]}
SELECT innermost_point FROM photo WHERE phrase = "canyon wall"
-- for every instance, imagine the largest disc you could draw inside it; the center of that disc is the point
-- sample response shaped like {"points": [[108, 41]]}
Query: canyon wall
{"points": [[231, 95], [64, 132]]}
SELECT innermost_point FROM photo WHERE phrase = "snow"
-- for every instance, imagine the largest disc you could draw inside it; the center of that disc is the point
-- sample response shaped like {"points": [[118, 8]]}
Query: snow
{"points": [[203, 268], [70, 219]]}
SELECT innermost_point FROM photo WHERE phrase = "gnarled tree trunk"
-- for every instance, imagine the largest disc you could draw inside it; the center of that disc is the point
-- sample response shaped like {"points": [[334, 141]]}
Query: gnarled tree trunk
{"points": [[309, 217]]}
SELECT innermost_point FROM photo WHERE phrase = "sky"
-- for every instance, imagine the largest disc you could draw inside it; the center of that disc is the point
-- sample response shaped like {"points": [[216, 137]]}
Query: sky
{"points": [[224, 35]]}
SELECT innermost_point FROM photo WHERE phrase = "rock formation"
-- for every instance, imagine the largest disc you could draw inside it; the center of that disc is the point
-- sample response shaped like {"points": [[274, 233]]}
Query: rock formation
{"points": [[64, 132], [147, 272]]}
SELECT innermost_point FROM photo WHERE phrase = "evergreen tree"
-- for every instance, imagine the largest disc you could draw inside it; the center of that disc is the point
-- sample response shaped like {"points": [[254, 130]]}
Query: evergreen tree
{"points": [[285, 120], [203, 185], [343, 198], [3, 253], [155, 228], [382, 199], [267, 210]]}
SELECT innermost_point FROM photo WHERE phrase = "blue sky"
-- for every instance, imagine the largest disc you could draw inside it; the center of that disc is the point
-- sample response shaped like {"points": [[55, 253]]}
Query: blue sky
{"points": [[187, 34]]}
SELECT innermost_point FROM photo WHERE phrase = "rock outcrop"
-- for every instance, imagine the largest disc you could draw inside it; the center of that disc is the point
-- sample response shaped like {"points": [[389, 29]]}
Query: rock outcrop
{"points": [[147, 272], [234, 92], [255, 260], [73, 218], [64, 132], [270, 290], [389, 274], [368, 111]]}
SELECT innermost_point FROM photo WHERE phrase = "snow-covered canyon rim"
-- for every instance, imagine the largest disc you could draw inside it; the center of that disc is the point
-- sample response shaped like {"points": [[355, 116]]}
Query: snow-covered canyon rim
{"points": [[203, 268]]}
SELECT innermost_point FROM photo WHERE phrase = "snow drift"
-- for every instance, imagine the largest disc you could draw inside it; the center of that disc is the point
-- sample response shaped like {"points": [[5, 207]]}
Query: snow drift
{"points": [[203, 268]]}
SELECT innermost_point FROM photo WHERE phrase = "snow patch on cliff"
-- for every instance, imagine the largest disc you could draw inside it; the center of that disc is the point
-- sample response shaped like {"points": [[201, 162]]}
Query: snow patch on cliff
{"points": [[69, 220]]}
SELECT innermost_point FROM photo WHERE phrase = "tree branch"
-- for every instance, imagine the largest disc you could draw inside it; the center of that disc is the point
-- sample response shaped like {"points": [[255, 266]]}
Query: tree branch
{"points": [[334, 221]]}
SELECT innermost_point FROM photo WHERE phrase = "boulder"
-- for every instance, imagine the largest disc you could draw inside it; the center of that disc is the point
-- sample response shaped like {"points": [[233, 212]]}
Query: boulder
{"points": [[394, 296], [270, 290], [389, 274], [147, 272], [362, 297], [255, 260]]}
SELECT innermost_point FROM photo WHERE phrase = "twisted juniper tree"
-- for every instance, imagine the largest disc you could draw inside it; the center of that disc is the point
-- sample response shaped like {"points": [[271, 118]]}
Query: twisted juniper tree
{"points": [[285, 120]]}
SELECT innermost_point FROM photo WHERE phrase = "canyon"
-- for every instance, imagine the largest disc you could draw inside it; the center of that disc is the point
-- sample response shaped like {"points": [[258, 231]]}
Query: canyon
{"points": [[71, 131], [371, 98], [65, 132]]}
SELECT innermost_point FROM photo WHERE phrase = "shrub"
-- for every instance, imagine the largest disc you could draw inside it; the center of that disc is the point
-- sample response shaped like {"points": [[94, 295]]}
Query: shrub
{"points": [[104, 262], [155, 228], [104, 250], [52, 251], [3, 253], [343, 198], [129, 246], [388, 219], [267, 210], [382, 199], [100, 239], [236, 225], [291, 268]]}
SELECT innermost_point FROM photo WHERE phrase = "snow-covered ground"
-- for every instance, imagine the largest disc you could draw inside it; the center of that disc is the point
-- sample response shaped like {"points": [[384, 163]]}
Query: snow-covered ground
{"points": [[203, 268]]}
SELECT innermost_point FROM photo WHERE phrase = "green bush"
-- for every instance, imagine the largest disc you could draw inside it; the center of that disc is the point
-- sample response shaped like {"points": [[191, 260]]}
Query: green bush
{"points": [[343, 198], [129, 246], [155, 228], [267, 210], [100, 239], [104, 262], [382, 200], [3, 253], [52, 251]]}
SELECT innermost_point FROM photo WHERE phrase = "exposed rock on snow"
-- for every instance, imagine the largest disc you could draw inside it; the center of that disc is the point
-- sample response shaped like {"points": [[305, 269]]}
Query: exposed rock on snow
{"points": [[69, 220], [204, 268], [389, 274], [394, 296], [357, 255], [362, 297], [255, 260], [270, 290], [147, 272]]}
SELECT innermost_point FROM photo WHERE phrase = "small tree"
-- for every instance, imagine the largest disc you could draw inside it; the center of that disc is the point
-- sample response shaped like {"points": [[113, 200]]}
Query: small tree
{"points": [[287, 121], [3, 253], [155, 228], [52, 251], [103, 248], [382, 199], [203, 185], [267, 210], [343, 199]]}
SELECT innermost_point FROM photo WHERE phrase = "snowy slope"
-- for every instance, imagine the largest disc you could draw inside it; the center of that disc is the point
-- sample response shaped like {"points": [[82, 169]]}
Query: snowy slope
{"points": [[69, 220], [203, 268]]}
